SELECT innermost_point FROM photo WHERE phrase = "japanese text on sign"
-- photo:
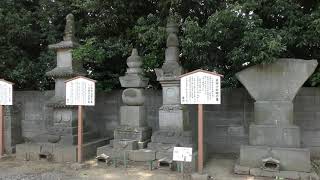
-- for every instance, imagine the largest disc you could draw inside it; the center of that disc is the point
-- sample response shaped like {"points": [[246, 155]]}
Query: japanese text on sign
{"points": [[5, 93], [200, 88], [80, 91], [182, 154]]}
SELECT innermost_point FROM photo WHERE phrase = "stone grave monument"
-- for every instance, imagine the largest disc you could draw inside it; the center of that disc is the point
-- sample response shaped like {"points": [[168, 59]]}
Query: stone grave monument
{"points": [[133, 132], [59, 144], [174, 126], [274, 141]]}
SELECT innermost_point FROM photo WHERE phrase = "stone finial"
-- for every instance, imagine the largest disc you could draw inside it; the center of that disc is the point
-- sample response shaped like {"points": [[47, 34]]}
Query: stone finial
{"points": [[133, 77], [134, 62], [69, 31]]}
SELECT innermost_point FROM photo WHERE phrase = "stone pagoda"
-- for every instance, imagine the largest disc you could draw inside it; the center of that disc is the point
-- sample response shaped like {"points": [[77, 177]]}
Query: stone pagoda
{"points": [[274, 141], [133, 132], [174, 126], [59, 144]]}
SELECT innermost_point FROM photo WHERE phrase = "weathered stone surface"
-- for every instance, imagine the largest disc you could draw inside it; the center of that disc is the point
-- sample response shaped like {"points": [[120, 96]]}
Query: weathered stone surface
{"points": [[174, 117], [134, 116], [241, 169], [281, 79], [142, 155], [79, 166], [137, 133], [275, 136], [197, 176], [252, 156], [123, 144], [133, 96]]}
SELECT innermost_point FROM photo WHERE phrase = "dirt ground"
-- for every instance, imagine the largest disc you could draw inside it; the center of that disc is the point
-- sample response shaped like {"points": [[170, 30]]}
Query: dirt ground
{"points": [[219, 167]]}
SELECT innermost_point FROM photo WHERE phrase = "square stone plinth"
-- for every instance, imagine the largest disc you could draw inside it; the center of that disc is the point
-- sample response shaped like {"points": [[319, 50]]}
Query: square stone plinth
{"points": [[140, 134], [174, 118], [133, 116], [276, 136], [291, 159]]}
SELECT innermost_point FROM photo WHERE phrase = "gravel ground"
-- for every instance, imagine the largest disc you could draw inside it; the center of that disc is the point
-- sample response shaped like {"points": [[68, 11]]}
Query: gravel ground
{"points": [[220, 168]]}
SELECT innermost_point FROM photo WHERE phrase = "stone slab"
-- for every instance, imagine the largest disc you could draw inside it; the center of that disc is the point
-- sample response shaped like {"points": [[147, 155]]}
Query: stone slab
{"points": [[133, 116], [291, 159], [59, 153], [135, 133], [142, 155], [272, 135], [124, 144], [197, 176], [173, 117]]}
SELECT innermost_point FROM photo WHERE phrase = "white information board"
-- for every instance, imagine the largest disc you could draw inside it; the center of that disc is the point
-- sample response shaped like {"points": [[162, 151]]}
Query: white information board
{"points": [[5, 92], [201, 87], [182, 154], [80, 91]]}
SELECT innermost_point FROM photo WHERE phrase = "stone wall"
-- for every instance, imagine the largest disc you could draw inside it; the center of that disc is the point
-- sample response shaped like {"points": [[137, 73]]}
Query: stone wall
{"points": [[226, 125]]}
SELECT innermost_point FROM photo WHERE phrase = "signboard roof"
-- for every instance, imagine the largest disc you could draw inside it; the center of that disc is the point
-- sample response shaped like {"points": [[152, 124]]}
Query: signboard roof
{"points": [[200, 70]]}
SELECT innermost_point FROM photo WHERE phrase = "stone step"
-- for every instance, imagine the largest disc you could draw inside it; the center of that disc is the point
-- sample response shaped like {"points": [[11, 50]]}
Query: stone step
{"points": [[87, 137]]}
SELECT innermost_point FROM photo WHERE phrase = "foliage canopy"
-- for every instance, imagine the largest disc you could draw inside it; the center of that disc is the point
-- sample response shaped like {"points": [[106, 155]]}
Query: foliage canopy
{"points": [[221, 35]]}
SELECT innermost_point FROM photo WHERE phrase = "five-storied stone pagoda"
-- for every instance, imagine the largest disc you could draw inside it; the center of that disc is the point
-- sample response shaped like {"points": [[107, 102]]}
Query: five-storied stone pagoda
{"points": [[274, 141], [59, 144], [133, 134]]}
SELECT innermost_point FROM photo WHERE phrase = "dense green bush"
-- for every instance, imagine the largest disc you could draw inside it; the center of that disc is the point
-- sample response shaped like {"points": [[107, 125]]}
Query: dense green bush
{"points": [[225, 36]]}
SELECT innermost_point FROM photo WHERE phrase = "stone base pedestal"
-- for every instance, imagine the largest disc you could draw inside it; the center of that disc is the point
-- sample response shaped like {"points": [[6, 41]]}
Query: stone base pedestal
{"points": [[57, 152], [285, 159], [173, 117], [274, 135], [140, 134], [292, 175]]}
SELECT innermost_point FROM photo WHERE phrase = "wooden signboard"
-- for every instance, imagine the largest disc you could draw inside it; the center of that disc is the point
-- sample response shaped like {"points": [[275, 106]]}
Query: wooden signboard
{"points": [[200, 87], [5, 92], [5, 99], [80, 91]]}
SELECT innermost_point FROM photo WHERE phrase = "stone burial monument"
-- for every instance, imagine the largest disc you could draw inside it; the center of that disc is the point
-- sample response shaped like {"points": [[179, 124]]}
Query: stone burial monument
{"points": [[174, 126], [133, 133], [274, 141], [59, 144]]}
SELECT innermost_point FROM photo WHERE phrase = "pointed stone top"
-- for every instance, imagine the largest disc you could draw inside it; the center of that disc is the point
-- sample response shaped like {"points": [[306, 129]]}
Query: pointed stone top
{"points": [[134, 61], [69, 31], [69, 39]]}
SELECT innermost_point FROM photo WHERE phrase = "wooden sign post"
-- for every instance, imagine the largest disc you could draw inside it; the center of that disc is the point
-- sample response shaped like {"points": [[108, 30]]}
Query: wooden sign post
{"points": [[5, 99], [80, 91], [200, 87]]}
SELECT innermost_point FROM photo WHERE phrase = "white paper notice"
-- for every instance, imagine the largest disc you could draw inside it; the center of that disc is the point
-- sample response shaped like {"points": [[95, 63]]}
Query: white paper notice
{"points": [[182, 154], [80, 91], [5, 93], [201, 88]]}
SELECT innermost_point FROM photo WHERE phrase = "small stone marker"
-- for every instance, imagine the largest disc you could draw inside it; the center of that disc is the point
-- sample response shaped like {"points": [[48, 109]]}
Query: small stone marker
{"points": [[80, 91], [5, 99], [182, 154], [200, 87]]}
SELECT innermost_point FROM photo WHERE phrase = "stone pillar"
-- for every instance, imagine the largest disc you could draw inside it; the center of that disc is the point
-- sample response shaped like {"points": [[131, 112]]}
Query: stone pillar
{"points": [[274, 141], [13, 132], [174, 125]]}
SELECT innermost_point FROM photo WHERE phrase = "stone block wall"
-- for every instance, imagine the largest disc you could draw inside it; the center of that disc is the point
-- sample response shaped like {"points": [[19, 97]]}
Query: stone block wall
{"points": [[226, 125]]}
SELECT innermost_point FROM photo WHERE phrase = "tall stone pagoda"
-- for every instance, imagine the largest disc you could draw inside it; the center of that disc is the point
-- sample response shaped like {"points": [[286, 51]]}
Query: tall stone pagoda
{"points": [[59, 144]]}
